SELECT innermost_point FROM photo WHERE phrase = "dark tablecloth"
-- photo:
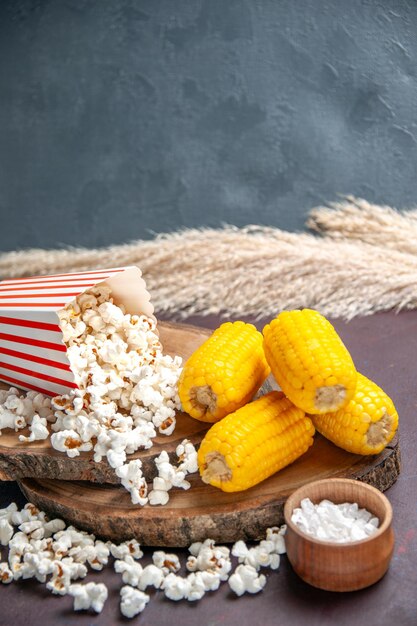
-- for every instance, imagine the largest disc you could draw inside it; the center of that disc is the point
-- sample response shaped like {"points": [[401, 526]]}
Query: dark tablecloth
{"points": [[384, 347]]}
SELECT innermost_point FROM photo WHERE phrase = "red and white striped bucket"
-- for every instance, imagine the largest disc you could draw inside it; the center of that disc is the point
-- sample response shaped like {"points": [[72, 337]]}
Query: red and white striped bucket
{"points": [[32, 352]]}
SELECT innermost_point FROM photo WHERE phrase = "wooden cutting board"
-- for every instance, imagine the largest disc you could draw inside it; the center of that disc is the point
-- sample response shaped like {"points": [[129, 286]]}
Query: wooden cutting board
{"points": [[190, 515], [204, 511]]}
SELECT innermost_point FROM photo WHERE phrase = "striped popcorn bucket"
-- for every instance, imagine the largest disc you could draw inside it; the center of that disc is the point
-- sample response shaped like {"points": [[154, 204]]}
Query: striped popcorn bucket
{"points": [[33, 355]]}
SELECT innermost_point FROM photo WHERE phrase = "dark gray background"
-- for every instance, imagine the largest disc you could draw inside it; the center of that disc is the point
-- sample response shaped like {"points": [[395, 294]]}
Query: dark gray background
{"points": [[123, 117]]}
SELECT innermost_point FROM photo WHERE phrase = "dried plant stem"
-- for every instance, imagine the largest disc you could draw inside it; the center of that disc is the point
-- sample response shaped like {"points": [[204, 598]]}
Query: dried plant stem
{"points": [[357, 219], [259, 271]]}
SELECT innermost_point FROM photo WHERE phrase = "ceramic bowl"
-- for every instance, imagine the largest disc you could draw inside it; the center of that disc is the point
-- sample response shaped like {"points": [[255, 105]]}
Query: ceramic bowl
{"points": [[335, 566]]}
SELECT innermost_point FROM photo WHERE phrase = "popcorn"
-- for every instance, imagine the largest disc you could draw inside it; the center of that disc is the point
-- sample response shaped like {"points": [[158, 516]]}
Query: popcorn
{"points": [[187, 456], [61, 578], [33, 529], [152, 576], [340, 523], [132, 479], [38, 430], [196, 588], [210, 579], [276, 535], [245, 579], [27, 514], [131, 570], [170, 476], [7, 513], [175, 587], [263, 555], [127, 392], [53, 526], [166, 562], [100, 556], [70, 442], [133, 601], [266, 553], [89, 596], [128, 548], [6, 531], [18, 544], [207, 556], [64, 555], [127, 387], [6, 575], [10, 419], [158, 497], [18, 409], [36, 566]]}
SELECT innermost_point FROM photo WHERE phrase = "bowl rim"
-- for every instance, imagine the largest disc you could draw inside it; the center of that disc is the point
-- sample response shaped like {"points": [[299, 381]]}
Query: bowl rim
{"points": [[333, 544]]}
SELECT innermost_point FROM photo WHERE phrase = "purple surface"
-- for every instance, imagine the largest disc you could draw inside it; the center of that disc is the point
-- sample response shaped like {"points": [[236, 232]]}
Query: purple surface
{"points": [[384, 348]]}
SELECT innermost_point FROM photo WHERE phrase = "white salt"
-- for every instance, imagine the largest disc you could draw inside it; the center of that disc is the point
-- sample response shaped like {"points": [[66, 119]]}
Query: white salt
{"points": [[339, 523]]}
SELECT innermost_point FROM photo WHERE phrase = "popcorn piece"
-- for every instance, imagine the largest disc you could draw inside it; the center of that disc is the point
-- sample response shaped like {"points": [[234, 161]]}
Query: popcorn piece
{"points": [[133, 601], [187, 456], [128, 548], [78, 545], [170, 476], [175, 587], [192, 564], [63, 572], [36, 565], [38, 430], [245, 578], [240, 549], [131, 570], [6, 575], [70, 442], [210, 579], [158, 496], [6, 531], [8, 419], [53, 526], [33, 529], [151, 576], [196, 589], [132, 479], [276, 535], [100, 556], [18, 544], [168, 563], [89, 596], [207, 556], [8, 512], [262, 555]]}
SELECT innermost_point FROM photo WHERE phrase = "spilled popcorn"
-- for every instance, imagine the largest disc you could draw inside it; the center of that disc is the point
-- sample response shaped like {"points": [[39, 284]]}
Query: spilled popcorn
{"points": [[340, 523], [59, 556], [127, 387], [127, 394]]}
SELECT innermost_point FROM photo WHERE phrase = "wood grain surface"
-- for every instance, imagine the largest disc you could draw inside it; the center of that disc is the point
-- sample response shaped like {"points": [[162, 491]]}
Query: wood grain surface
{"points": [[204, 511]]}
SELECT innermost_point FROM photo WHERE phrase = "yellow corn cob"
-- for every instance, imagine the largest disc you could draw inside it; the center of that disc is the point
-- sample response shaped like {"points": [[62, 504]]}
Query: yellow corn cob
{"points": [[224, 373], [309, 361], [366, 425], [253, 443]]}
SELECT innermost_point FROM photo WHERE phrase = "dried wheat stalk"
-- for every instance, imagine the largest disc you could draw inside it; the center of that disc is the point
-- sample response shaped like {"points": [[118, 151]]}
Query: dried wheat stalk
{"points": [[356, 219], [256, 271]]}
